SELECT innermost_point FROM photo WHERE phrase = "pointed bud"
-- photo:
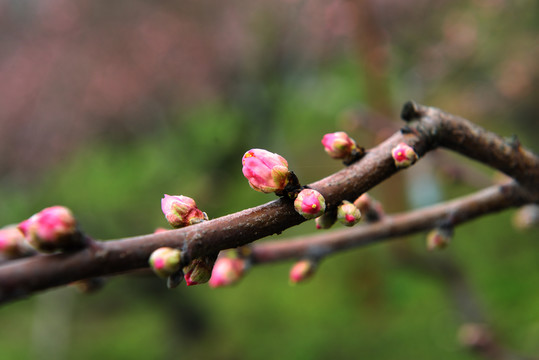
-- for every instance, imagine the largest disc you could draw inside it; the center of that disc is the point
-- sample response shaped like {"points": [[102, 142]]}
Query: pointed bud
{"points": [[439, 238], [348, 214], [227, 271], [267, 172], [53, 228], [326, 220], [165, 261], [302, 270], [403, 155], [339, 145], [198, 271], [181, 211], [310, 204], [11, 242]]}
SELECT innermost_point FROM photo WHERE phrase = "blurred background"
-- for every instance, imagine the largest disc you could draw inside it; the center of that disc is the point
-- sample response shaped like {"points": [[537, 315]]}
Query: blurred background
{"points": [[105, 106]]}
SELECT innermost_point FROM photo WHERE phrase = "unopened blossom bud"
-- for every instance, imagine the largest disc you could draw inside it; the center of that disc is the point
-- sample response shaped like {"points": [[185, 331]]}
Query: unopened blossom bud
{"points": [[227, 271], [370, 209], [11, 242], [526, 217], [475, 336], [403, 155], [53, 228], [266, 171], [302, 270], [310, 203], [326, 220], [363, 203], [181, 211], [439, 238], [348, 214], [339, 145], [165, 261], [198, 271]]}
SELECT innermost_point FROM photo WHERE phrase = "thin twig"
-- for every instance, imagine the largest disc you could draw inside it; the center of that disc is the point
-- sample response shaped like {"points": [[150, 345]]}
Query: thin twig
{"points": [[455, 212]]}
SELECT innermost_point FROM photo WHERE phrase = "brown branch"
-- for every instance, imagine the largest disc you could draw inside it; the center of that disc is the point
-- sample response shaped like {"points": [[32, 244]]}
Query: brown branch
{"points": [[455, 133], [430, 129], [490, 200]]}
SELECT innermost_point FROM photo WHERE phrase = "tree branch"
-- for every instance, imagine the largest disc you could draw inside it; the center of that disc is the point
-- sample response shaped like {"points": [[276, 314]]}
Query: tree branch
{"points": [[490, 200], [427, 129]]}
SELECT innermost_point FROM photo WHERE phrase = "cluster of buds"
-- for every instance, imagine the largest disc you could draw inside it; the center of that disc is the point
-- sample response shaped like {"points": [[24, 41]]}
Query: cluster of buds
{"points": [[439, 238], [403, 155], [310, 203], [53, 228], [302, 270], [181, 211], [348, 214], [165, 261], [266, 172], [12, 242], [227, 271], [339, 145]]}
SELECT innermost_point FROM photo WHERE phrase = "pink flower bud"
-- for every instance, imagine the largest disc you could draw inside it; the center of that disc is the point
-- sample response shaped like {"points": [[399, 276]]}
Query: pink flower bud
{"points": [[439, 238], [198, 271], [370, 209], [165, 261], [348, 214], [302, 270], [310, 203], [403, 155], [181, 211], [363, 203], [227, 271], [11, 242], [267, 172], [53, 228], [526, 217], [475, 336], [339, 145]]}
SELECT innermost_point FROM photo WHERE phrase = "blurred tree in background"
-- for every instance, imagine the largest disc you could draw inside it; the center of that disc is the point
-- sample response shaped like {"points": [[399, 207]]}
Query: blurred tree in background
{"points": [[105, 106]]}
